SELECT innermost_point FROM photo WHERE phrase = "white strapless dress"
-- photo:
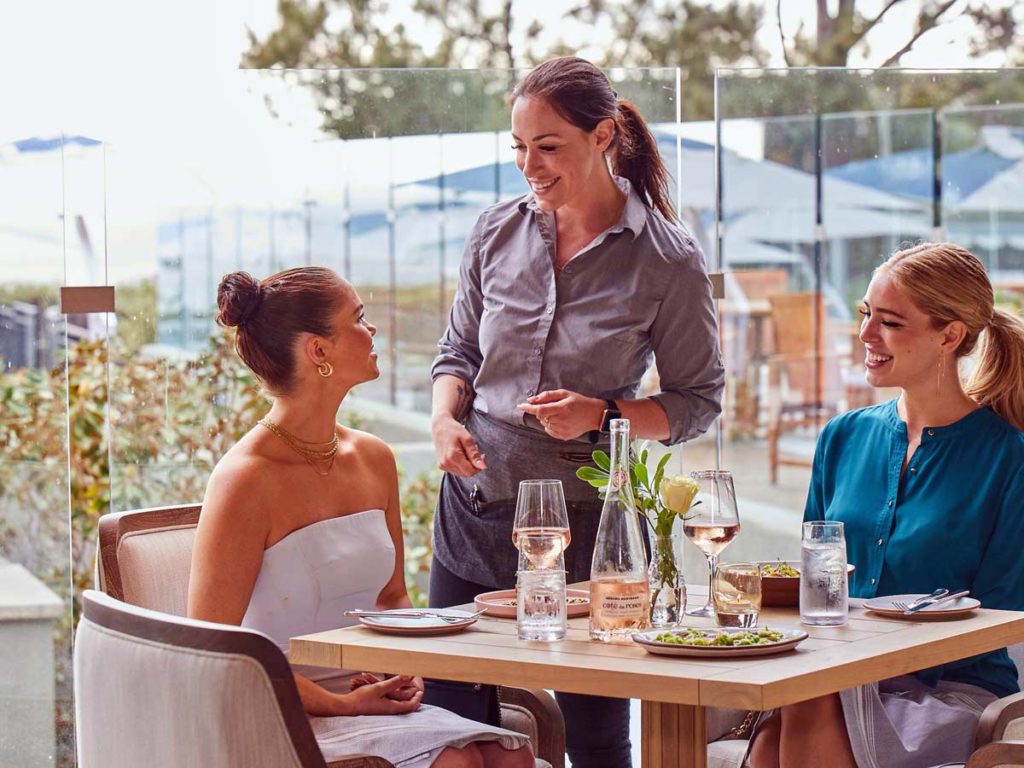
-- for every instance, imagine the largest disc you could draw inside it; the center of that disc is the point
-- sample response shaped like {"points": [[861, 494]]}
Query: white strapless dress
{"points": [[306, 582]]}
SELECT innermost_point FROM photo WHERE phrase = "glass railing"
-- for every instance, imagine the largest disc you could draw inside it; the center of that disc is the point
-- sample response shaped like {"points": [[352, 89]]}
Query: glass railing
{"points": [[37, 497]]}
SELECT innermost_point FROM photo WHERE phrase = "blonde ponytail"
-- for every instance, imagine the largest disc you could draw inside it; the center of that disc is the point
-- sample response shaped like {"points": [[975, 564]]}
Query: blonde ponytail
{"points": [[998, 381]]}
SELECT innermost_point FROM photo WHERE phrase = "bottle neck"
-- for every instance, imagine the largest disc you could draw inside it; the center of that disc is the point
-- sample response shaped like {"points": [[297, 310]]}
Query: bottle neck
{"points": [[619, 454]]}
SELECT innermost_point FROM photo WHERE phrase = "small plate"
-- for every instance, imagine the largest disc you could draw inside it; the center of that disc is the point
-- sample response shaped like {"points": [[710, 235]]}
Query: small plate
{"points": [[502, 603], [790, 639], [884, 607], [426, 625]]}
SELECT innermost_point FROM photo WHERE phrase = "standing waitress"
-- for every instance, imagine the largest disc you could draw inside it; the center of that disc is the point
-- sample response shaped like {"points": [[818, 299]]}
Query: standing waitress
{"points": [[564, 296]]}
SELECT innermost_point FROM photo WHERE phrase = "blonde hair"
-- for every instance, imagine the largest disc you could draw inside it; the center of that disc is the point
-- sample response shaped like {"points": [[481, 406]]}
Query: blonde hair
{"points": [[949, 283]]}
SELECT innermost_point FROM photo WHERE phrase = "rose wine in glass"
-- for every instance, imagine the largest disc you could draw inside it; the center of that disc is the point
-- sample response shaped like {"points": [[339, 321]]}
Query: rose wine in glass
{"points": [[541, 528], [712, 522]]}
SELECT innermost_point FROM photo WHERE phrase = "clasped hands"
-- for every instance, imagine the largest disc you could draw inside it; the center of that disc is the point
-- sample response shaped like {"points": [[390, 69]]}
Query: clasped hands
{"points": [[391, 696]]}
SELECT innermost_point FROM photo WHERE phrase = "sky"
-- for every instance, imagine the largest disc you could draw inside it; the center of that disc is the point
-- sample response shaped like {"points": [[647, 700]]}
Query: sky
{"points": [[159, 82], [107, 63]]}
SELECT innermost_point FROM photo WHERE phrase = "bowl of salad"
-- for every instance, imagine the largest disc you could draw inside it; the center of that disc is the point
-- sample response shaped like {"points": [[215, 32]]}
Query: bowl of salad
{"points": [[780, 582]]}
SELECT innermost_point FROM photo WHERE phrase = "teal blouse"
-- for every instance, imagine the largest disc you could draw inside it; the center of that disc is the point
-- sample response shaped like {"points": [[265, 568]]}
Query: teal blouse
{"points": [[954, 519]]}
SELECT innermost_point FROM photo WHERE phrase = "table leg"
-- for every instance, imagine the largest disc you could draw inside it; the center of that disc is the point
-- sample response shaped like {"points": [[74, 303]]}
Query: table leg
{"points": [[673, 736]]}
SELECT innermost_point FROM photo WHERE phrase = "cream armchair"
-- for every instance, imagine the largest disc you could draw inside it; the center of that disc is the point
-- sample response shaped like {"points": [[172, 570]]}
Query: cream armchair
{"points": [[200, 693], [145, 557]]}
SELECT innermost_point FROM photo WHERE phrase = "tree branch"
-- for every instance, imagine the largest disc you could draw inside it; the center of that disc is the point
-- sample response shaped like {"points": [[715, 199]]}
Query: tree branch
{"points": [[868, 26], [925, 23], [782, 37]]}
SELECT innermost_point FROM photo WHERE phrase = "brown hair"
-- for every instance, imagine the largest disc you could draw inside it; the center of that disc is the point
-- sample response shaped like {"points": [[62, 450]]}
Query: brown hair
{"points": [[270, 314], [581, 94], [949, 283]]}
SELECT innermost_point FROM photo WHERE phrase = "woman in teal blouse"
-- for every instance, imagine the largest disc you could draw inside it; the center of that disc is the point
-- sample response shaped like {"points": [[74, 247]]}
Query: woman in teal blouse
{"points": [[930, 488]]}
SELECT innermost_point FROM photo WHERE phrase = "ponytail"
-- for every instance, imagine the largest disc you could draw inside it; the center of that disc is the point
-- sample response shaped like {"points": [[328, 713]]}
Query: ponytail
{"points": [[998, 381], [636, 158]]}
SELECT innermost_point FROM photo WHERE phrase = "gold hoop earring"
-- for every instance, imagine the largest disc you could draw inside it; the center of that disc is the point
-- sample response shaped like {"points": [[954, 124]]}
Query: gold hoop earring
{"points": [[325, 369]]}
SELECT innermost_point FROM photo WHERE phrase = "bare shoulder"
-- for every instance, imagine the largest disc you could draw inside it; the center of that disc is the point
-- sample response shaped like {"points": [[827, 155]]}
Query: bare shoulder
{"points": [[368, 445], [241, 486]]}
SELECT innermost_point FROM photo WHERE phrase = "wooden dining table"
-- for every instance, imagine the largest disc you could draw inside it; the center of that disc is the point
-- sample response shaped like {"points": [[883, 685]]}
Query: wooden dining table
{"points": [[674, 691]]}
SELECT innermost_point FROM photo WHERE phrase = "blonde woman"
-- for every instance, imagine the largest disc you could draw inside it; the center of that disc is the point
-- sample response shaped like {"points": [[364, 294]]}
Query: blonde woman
{"points": [[930, 488]]}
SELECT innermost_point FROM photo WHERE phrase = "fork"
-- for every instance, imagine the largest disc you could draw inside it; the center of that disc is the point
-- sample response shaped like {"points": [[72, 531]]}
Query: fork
{"points": [[901, 606], [414, 615], [939, 601]]}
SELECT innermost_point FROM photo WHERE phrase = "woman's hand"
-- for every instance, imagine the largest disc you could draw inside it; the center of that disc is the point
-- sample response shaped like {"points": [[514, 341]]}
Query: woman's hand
{"points": [[457, 451], [565, 415], [404, 693], [381, 697]]}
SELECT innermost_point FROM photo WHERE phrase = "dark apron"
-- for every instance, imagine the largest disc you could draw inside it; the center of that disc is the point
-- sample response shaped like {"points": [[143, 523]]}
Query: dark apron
{"points": [[474, 516]]}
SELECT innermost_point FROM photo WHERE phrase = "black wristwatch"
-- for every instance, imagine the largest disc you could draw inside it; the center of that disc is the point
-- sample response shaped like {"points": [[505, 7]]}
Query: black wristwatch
{"points": [[610, 412]]}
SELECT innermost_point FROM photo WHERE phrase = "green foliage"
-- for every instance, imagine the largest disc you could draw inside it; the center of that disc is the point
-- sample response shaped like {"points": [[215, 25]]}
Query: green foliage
{"points": [[419, 496]]}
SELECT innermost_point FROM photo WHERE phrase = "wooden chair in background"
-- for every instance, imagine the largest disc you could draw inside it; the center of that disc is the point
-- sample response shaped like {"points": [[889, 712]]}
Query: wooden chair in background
{"points": [[144, 560], [804, 378]]}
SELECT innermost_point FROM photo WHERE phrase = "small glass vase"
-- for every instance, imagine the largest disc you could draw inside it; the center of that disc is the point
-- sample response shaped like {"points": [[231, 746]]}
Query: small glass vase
{"points": [[665, 578]]}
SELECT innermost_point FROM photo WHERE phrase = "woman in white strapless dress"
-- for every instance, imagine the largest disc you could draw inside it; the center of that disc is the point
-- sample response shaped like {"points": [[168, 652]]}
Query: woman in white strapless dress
{"points": [[301, 522]]}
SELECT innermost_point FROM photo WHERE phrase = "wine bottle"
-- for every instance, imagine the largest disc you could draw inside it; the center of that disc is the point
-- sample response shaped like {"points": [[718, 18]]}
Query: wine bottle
{"points": [[619, 591]]}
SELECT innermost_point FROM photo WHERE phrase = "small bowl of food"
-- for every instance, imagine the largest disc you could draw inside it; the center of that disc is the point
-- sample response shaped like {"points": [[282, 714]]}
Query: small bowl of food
{"points": [[780, 582]]}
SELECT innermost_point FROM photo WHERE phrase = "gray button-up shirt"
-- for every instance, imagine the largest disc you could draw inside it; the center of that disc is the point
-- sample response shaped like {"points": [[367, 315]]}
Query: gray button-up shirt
{"points": [[639, 290]]}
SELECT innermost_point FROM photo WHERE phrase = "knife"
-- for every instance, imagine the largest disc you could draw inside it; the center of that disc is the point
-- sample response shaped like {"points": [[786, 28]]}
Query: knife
{"points": [[936, 601]]}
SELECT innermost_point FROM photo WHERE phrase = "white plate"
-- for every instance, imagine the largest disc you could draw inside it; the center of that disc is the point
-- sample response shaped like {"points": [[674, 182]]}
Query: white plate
{"points": [[884, 606], [425, 625], [790, 639]]}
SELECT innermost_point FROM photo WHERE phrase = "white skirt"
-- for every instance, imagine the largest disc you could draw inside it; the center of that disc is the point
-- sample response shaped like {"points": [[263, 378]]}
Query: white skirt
{"points": [[413, 740], [902, 723]]}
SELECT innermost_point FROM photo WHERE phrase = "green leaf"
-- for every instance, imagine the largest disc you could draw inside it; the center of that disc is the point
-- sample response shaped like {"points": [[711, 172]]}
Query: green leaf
{"points": [[641, 473], [591, 475], [659, 473], [603, 460]]}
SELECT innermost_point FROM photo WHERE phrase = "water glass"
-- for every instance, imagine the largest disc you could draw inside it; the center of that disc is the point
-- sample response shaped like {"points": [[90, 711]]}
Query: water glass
{"points": [[540, 605], [536, 552], [824, 590], [736, 590]]}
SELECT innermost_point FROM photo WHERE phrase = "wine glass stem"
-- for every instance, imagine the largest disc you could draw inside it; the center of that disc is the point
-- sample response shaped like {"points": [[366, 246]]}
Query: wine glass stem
{"points": [[712, 562]]}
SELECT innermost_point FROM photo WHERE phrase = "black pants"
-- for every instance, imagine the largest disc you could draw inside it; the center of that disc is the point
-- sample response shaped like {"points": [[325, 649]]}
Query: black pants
{"points": [[596, 727]]}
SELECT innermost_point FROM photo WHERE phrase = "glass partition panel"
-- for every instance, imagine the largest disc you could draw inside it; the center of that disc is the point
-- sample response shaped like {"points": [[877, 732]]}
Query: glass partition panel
{"points": [[823, 173], [378, 174], [40, 348]]}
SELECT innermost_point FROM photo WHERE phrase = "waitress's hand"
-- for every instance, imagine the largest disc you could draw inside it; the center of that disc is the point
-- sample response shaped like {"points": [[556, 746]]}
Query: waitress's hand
{"points": [[457, 451], [565, 415]]}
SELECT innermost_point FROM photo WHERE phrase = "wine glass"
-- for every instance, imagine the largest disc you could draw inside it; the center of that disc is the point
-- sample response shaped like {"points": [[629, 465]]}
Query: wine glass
{"points": [[712, 523], [541, 528]]}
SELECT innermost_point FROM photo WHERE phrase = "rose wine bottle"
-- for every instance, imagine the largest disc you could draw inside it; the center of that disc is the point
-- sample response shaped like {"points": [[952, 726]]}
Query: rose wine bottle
{"points": [[619, 592]]}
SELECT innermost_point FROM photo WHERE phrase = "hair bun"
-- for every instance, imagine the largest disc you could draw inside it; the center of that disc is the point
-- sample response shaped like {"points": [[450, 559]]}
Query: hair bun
{"points": [[238, 298]]}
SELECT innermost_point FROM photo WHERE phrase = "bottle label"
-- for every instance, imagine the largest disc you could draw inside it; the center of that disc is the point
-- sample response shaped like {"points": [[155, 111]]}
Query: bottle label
{"points": [[618, 479], [623, 606]]}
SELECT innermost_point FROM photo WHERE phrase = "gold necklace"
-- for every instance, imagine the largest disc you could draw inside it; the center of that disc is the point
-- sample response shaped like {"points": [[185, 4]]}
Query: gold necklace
{"points": [[311, 452]]}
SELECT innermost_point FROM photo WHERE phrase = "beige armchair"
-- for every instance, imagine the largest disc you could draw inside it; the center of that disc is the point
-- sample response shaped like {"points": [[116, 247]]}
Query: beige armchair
{"points": [[203, 694], [145, 557]]}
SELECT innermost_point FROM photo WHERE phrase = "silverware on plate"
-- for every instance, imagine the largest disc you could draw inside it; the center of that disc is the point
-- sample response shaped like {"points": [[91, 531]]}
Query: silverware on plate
{"points": [[932, 602], [901, 606], [412, 614]]}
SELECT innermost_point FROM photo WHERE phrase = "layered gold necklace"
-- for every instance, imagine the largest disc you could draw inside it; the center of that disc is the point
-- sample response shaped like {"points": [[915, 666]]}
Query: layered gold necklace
{"points": [[315, 454]]}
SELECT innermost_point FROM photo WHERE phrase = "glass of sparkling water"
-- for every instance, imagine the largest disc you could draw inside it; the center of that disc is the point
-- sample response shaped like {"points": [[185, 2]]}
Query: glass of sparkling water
{"points": [[540, 604], [824, 590]]}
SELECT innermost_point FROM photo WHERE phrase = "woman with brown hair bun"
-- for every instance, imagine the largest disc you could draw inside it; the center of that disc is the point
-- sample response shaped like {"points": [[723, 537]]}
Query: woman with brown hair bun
{"points": [[930, 490], [301, 522], [565, 296]]}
